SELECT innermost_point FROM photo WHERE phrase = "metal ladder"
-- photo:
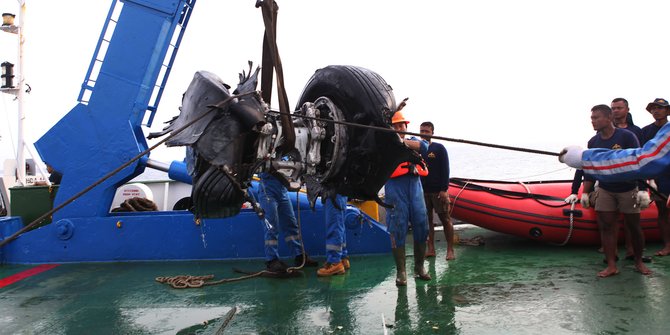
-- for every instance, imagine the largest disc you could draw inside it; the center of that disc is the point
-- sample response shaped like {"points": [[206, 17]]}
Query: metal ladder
{"points": [[101, 49]]}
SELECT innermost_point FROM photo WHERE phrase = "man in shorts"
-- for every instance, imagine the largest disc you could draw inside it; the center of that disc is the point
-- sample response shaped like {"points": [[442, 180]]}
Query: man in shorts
{"points": [[435, 186], [612, 198]]}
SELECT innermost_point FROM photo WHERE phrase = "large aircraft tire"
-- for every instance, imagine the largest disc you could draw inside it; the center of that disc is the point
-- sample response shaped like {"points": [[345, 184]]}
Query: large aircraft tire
{"points": [[370, 155]]}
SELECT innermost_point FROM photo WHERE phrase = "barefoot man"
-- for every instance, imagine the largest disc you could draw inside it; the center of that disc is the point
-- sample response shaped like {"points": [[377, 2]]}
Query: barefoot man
{"points": [[435, 187], [612, 198], [659, 110]]}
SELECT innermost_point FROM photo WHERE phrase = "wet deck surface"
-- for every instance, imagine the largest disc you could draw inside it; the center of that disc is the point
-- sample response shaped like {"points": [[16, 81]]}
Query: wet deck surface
{"points": [[507, 286]]}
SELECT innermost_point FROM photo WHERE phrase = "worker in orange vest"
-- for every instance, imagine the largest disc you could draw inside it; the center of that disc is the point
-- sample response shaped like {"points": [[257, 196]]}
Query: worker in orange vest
{"points": [[404, 192]]}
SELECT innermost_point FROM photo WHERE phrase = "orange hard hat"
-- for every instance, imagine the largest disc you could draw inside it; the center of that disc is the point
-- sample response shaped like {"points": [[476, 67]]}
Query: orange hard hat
{"points": [[398, 117]]}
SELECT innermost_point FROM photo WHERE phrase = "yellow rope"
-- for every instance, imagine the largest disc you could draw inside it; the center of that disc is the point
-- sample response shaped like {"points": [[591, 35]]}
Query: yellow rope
{"points": [[188, 281]]}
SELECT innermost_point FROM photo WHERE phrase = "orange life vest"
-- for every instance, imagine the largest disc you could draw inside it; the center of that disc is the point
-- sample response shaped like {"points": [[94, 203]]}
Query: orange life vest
{"points": [[407, 167]]}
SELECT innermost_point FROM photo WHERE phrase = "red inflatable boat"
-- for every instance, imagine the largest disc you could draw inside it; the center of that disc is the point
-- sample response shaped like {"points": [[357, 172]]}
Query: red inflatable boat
{"points": [[535, 210]]}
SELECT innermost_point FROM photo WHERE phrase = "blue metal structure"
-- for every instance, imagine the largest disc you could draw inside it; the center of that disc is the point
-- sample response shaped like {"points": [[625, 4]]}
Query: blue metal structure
{"points": [[135, 51], [172, 235], [103, 132]]}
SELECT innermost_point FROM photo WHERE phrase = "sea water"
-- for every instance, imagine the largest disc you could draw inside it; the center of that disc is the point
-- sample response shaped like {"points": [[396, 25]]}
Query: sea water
{"points": [[480, 162]]}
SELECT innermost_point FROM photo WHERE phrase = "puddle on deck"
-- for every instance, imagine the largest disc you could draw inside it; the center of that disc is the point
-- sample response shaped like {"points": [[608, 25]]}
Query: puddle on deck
{"points": [[507, 286]]}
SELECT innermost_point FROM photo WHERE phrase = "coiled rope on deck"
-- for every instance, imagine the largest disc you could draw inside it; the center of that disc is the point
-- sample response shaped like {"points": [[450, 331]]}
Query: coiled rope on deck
{"points": [[189, 281]]}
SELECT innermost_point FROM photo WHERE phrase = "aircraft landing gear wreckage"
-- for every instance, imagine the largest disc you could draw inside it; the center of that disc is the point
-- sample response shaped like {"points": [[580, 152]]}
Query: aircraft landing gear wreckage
{"points": [[241, 137], [329, 143]]}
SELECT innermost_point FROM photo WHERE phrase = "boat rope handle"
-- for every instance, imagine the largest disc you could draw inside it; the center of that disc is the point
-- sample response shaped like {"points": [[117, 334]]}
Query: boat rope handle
{"points": [[572, 218], [525, 186], [453, 204], [572, 224]]}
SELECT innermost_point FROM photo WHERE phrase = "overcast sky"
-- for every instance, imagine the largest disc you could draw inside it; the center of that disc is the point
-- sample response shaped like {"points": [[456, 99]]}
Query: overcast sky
{"points": [[517, 72]]}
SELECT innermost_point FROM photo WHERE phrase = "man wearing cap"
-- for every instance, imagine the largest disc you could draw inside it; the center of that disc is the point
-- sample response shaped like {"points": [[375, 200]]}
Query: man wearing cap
{"points": [[405, 194], [616, 197], [660, 109]]}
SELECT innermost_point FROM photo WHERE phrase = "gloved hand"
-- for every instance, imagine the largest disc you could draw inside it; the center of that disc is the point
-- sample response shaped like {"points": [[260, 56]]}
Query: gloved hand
{"points": [[572, 156], [586, 203], [571, 199], [643, 199], [652, 184]]}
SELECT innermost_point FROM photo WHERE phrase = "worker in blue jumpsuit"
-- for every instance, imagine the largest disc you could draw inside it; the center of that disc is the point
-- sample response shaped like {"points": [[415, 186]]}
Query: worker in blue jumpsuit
{"points": [[405, 194], [273, 199], [337, 260]]}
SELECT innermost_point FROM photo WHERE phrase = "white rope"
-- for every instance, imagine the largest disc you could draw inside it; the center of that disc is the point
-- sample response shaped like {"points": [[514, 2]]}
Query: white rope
{"points": [[302, 243], [458, 195], [572, 222], [524, 186]]}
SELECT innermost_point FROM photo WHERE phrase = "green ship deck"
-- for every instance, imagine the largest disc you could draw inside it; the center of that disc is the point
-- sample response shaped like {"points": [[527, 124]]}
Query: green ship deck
{"points": [[507, 286]]}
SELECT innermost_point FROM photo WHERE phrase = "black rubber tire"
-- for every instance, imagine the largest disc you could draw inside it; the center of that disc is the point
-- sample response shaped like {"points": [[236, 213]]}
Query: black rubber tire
{"points": [[364, 98], [214, 194], [224, 137], [182, 204]]}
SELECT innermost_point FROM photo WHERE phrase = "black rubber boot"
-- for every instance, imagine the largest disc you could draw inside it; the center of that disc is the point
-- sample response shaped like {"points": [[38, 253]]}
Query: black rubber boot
{"points": [[276, 265], [401, 273]]}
